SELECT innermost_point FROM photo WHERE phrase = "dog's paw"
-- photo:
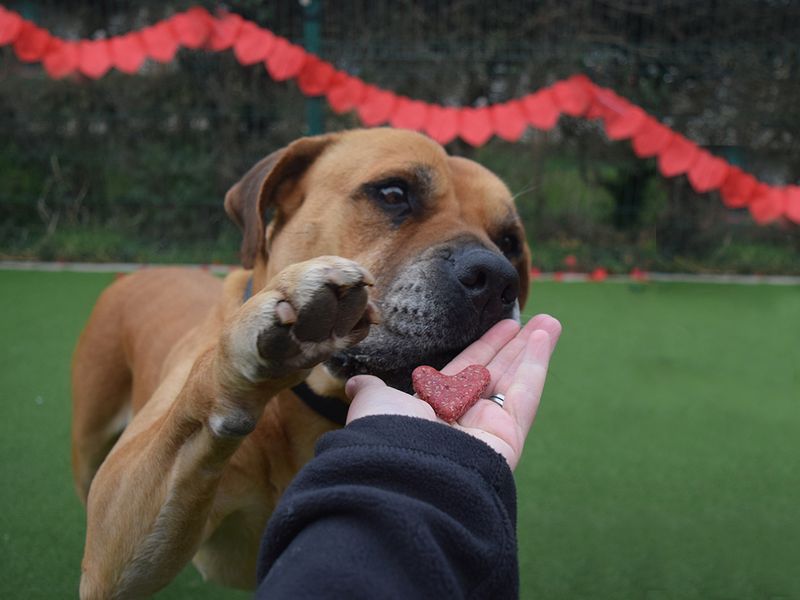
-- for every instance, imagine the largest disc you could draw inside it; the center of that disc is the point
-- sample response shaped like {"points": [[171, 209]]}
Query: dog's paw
{"points": [[309, 311]]}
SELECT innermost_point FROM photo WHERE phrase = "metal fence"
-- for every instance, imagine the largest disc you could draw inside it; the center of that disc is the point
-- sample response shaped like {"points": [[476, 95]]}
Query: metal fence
{"points": [[135, 167]]}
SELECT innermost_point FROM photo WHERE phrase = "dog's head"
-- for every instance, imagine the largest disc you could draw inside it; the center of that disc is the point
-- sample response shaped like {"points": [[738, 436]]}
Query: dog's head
{"points": [[440, 234]]}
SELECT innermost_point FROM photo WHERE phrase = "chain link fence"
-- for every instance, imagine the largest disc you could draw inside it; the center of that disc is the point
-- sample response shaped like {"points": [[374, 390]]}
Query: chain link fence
{"points": [[134, 168]]}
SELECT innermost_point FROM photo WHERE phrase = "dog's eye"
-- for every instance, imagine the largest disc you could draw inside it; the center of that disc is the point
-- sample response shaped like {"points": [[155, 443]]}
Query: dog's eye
{"points": [[393, 195], [509, 244]]}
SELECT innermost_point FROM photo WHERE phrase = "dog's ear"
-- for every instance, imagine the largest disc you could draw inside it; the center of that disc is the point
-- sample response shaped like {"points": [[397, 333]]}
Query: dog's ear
{"points": [[269, 184]]}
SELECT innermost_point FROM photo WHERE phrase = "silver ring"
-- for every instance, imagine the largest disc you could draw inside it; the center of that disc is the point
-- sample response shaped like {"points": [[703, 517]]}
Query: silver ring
{"points": [[498, 399]]}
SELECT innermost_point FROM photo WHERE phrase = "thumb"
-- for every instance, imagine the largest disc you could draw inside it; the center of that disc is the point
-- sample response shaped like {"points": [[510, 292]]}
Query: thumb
{"points": [[371, 396], [359, 383]]}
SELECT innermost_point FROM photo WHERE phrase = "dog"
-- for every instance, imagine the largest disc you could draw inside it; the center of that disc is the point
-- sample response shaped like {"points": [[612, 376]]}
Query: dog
{"points": [[196, 400]]}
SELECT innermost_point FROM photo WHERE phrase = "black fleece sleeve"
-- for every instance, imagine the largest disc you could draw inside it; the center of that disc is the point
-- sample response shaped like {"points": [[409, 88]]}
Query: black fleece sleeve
{"points": [[394, 507]]}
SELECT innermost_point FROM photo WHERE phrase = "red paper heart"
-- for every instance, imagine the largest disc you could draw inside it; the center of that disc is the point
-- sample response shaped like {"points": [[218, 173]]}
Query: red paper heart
{"points": [[127, 52], [316, 76], [509, 120], [94, 58], [606, 105], [677, 157], [10, 26], [224, 31], [793, 203], [160, 42], [450, 396], [475, 125], [442, 123], [625, 125], [345, 94], [571, 96], [192, 27], [31, 42], [707, 173], [541, 110], [409, 114], [737, 189], [253, 44], [61, 59], [376, 106], [285, 60], [767, 205], [651, 138]]}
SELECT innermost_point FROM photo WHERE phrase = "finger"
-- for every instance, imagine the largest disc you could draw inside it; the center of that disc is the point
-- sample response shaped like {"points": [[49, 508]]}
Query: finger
{"points": [[485, 348], [551, 325], [509, 357], [371, 396], [544, 321], [539, 322], [357, 384], [524, 393], [504, 361], [526, 370]]}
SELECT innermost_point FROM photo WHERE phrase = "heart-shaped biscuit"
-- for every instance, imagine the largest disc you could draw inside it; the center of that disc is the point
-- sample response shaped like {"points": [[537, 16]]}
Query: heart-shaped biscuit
{"points": [[450, 396]]}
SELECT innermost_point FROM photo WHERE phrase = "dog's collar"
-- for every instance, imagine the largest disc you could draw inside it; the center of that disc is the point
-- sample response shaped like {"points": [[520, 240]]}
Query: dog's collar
{"points": [[248, 290], [330, 407]]}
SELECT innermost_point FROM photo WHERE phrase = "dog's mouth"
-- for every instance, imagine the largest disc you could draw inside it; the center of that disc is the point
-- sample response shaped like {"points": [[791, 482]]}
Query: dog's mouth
{"points": [[395, 373], [416, 330], [392, 358]]}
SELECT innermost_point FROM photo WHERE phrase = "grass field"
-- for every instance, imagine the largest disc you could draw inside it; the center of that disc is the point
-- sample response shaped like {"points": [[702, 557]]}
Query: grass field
{"points": [[665, 462]]}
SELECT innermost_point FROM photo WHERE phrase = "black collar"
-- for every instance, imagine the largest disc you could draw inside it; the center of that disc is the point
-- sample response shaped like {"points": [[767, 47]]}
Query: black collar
{"points": [[330, 407]]}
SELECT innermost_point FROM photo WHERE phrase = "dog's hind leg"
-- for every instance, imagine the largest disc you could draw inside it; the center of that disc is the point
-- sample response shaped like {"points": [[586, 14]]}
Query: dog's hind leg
{"points": [[101, 391]]}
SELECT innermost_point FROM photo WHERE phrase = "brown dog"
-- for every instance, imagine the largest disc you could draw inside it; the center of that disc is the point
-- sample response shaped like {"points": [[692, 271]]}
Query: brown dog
{"points": [[197, 375]]}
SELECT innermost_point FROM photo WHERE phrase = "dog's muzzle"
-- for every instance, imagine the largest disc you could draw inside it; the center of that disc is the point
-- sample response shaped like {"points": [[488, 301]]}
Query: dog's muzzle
{"points": [[431, 310]]}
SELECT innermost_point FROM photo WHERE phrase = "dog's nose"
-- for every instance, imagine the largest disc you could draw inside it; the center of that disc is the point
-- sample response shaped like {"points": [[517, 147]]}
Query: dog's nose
{"points": [[489, 281]]}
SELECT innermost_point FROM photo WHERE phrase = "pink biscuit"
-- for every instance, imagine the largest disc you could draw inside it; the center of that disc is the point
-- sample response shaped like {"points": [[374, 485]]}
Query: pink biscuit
{"points": [[450, 396]]}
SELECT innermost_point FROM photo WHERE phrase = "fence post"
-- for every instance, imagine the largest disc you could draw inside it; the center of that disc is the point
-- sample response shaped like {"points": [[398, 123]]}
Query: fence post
{"points": [[312, 10]]}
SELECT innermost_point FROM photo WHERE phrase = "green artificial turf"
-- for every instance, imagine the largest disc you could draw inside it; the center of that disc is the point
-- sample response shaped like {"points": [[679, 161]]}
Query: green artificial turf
{"points": [[663, 465]]}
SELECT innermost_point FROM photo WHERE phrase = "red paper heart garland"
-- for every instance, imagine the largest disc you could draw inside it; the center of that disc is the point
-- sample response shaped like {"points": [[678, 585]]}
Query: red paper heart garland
{"points": [[475, 126], [61, 59], [31, 42], [127, 52], [10, 26], [409, 114], [160, 42], [509, 120], [576, 96], [94, 58], [252, 44]]}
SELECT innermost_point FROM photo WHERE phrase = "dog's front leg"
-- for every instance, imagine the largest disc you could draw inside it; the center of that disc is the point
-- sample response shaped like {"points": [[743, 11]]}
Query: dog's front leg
{"points": [[149, 503]]}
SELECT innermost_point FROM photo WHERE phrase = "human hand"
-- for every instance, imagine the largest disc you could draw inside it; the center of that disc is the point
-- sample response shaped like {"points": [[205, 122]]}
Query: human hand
{"points": [[517, 360]]}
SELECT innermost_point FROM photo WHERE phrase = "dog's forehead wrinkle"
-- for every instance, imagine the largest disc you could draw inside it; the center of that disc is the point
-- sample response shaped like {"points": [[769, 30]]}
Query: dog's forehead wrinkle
{"points": [[367, 151]]}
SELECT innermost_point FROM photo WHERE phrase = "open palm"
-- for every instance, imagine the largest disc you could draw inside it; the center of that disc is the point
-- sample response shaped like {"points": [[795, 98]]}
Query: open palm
{"points": [[517, 360]]}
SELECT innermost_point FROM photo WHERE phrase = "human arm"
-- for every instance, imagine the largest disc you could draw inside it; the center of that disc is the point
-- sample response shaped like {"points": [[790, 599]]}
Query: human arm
{"points": [[399, 504]]}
